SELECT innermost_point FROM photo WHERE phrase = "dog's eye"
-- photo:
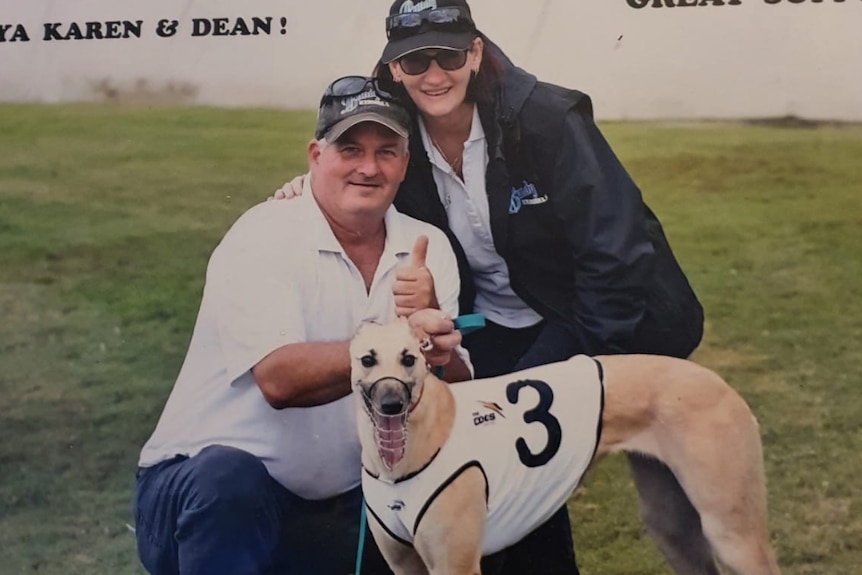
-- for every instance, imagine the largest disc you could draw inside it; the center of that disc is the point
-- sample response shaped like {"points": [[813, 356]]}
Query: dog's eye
{"points": [[368, 361], [408, 360]]}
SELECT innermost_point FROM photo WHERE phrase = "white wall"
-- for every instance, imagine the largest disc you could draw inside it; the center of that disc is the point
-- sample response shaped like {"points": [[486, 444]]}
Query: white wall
{"points": [[753, 59]]}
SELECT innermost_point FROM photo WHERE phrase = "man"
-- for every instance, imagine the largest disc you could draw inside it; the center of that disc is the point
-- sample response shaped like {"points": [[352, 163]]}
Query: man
{"points": [[254, 466]]}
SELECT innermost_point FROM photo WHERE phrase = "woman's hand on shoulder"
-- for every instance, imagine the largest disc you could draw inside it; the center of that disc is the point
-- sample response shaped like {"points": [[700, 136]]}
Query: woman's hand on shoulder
{"points": [[289, 190]]}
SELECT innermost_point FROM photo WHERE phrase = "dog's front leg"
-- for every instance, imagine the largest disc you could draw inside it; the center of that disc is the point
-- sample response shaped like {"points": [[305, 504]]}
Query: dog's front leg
{"points": [[449, 536], [403, 560]]}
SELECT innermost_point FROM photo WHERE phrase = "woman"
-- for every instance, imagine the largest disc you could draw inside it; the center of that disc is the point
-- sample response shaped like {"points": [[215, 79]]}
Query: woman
{"points": [[555, 245]]}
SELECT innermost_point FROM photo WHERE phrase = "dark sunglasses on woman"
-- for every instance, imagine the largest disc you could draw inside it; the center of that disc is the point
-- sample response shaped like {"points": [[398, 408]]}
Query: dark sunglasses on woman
{"points": [[416, 63]]}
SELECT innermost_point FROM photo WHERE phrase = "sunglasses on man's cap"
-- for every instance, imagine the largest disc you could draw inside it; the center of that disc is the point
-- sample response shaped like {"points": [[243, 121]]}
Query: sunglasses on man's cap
{"points": [[347, 86], [351, 100]]}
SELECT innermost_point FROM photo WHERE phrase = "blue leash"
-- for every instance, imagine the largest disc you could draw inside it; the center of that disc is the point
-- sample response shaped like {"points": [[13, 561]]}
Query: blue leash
{"points": [[363, 521], [465, 324], [469, 323]]}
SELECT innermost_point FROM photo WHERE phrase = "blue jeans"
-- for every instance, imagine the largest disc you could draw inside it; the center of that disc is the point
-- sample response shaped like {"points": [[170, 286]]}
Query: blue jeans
{"points": [[220, 512]]}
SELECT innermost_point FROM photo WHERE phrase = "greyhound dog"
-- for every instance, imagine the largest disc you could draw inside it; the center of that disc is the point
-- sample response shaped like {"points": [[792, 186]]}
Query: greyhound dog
{"points": [[455, 472]]}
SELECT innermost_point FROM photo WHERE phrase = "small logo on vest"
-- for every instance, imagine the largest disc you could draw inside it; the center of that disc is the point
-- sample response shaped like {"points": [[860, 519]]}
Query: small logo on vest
{"points": [[480, 418], [396, 505], [410, 6]]}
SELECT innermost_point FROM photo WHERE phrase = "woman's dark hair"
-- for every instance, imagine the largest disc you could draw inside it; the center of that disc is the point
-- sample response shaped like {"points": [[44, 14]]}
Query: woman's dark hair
{"points": [[483, 85], [481, 89]]}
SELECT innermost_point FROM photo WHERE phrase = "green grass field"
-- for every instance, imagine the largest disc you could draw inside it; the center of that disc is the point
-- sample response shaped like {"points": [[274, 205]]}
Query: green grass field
{"points": [[108, 215]]}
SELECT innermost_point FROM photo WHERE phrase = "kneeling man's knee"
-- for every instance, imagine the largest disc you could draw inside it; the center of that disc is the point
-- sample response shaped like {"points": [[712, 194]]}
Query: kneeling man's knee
{"points": [[229, 476]]}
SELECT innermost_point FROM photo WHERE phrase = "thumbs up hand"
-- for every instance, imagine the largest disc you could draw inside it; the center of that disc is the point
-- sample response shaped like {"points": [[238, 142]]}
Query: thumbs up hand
{"points": [[414, 286]]}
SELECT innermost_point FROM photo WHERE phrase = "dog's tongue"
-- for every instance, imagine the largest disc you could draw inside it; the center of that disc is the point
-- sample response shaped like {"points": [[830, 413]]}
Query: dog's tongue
{"points": [[390, 440], [391, 458]]}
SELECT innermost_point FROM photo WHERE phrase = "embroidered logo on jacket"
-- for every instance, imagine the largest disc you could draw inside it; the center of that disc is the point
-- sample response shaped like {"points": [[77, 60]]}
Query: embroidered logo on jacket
{"points": [[526, 195]]}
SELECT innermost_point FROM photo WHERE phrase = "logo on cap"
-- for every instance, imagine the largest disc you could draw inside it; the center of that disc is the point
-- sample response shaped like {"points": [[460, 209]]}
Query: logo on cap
{"points": [[410, 6], [363, 99]]}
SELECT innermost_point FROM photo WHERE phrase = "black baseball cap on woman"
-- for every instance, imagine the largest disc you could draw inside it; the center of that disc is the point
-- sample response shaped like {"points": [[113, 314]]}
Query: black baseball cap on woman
{"points": [[418, 24]]}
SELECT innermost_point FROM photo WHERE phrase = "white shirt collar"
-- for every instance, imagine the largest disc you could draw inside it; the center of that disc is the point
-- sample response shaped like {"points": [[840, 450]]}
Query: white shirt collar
{"points": [[476, 130], [397, 240], [477, 134]]}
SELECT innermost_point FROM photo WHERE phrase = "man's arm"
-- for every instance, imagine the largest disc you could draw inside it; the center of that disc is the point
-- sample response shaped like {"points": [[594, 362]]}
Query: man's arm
{"points": [[255, 286], [308, 374], [304, 374]]}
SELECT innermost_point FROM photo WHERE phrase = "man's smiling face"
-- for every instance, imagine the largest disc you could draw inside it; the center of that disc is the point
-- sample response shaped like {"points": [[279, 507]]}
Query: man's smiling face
{"points": [[360, 172]]}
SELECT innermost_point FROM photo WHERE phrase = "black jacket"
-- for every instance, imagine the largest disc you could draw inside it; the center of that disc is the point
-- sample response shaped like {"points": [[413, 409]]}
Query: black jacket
{"points": [[581, 246]]}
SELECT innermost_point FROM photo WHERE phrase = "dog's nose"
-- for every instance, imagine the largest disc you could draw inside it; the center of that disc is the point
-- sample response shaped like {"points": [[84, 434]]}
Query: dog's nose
{"points": [[392, 407]]}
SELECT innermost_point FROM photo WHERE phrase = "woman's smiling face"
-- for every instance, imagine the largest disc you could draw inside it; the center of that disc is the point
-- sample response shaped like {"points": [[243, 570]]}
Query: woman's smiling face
{"points": [[438, 92]]}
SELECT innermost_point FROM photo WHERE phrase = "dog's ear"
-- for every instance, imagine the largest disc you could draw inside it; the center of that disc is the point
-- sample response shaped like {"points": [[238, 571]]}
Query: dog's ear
{"points": [[408, 329], [364, 325], [358, 333]]}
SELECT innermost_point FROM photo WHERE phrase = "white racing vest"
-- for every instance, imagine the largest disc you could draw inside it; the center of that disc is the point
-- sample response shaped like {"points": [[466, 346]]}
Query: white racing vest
{"points": [[533, 434]]}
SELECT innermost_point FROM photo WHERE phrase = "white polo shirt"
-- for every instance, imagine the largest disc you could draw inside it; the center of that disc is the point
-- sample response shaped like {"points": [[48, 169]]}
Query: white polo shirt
{"points": [[279, 276], [466, 204]]}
